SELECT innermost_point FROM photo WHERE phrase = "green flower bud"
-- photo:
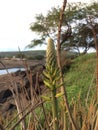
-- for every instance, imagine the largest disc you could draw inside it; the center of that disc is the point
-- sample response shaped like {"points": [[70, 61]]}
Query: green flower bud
{"points": [[50, 53]]}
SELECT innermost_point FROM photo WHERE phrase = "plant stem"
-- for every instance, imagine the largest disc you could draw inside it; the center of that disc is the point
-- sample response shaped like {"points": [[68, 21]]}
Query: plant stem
{"points": [[59, 64], [96, 46], [54, 110], [65, 124]]}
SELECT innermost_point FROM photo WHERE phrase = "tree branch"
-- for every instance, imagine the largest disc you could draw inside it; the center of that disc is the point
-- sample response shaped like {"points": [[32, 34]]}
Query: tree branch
{"points": [[59, 64]]}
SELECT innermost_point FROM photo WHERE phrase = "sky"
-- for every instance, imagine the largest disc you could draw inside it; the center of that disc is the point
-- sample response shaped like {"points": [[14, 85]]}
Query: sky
{"points": [[15, 19]]}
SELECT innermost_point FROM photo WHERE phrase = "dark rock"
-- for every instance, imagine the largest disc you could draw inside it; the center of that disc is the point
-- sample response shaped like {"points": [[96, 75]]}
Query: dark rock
{"points": [[22, 87], [7, 107], [1, 127], [4, 94], [20, 73]]}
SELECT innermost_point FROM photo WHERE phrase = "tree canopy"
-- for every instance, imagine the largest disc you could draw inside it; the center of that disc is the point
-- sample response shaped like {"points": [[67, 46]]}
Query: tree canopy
{"points": [[76, 29]]}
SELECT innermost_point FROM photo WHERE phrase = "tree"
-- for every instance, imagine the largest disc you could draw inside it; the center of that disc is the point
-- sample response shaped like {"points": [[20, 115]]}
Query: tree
{"points": [[76, 31], [45, 26], [82, 34]]}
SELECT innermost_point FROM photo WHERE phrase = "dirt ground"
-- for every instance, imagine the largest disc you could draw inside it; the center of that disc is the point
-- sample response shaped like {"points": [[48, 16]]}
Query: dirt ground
{"points": [[17, 63]]}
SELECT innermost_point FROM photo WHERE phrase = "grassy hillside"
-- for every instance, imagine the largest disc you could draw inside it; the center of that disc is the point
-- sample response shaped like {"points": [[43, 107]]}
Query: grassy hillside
{"points": [[81, 76], [80, 86]]}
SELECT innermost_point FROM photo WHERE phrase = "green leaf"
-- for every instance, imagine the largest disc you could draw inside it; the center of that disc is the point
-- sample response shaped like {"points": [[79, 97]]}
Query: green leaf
{"points": [[60, 85], [47, 84], [54, 82], [56, 72], [47, 74], [58, 78], [38, 27], [46, 98], [34, 43], [59, 94]]}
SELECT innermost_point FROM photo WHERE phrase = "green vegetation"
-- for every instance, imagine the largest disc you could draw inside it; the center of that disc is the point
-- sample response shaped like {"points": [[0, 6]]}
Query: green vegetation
{"points": [[76, 26], [70, 99], [81, 90], [37, 57], [37, 54], [80, 85], [81, 76], [52, 76]]}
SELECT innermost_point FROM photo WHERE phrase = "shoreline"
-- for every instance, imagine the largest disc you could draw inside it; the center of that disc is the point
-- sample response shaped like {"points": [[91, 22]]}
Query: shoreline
{"points": [[12, 63]]}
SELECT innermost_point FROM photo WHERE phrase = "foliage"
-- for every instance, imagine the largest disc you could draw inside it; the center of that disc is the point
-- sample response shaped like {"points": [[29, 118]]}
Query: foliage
{"points": [[32, 53], [80, 85], [20, 55], [36, 57], [76, 30], [51, 80], [81, 77]]}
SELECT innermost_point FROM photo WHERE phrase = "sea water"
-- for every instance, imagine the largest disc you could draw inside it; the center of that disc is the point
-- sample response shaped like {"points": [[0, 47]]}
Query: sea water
{"points": [[11, 70]]}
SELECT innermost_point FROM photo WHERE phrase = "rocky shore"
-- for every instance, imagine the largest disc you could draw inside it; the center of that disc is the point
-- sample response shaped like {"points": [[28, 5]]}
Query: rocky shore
{"points": [[19, 82], [15, 63]]}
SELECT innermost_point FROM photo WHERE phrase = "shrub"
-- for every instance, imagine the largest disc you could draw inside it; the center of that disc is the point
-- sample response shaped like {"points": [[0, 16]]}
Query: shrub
{"points": [[20, 55], [39, 57]]}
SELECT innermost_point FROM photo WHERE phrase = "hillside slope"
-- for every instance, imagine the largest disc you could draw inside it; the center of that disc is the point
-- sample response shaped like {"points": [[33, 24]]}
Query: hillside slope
{"points": [[80, 79]]}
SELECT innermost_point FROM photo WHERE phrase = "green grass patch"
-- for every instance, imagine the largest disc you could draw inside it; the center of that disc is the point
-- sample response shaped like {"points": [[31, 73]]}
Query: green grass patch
{"points": [[81, 76]]}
